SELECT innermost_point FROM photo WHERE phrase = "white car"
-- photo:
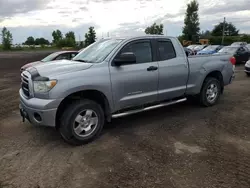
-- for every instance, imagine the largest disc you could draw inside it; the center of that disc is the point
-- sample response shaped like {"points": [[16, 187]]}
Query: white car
{"points": [[247, 68], [239, 44]]}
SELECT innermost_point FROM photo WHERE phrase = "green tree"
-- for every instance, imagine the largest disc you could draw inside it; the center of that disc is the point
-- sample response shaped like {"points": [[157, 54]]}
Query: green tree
{"points": [[230, 29], [191, 27], [70, 35], [30, 41], [41, 41], [6, 39], [90, 37], [70, 39], [154, 29], [205, 34], [57, 36], [245, 38]]}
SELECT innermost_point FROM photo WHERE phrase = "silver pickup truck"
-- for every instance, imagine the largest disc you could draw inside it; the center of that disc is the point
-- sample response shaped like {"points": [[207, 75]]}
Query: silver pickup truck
{"points": [[117, 77]]}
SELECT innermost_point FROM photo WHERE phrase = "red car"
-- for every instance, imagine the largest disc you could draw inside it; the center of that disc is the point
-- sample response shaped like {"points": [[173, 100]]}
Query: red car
{"points": [[54, 56]]}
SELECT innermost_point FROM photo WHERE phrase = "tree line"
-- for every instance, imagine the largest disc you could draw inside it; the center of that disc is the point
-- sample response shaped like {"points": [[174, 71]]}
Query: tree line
{"points": [[191, 30], [59, 40]]}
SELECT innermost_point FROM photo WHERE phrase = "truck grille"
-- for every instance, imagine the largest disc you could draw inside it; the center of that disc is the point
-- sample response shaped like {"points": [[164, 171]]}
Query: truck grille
{"points": [[25, 84]]}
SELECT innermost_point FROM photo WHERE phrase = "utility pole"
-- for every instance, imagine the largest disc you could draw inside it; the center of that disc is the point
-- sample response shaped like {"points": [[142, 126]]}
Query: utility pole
{"points": [[223, 32]]}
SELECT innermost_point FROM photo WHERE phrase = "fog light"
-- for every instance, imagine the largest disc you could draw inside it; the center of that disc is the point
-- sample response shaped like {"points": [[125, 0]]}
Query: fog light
{"points": [[37, 117]]}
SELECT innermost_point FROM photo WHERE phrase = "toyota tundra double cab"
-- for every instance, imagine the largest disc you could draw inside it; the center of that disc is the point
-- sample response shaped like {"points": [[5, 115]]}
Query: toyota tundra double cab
{"points": [[115, 77]]}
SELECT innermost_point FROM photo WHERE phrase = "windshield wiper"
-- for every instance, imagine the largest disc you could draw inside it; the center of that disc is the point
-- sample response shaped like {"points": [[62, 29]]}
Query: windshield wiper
{"points": [[81, 60]]}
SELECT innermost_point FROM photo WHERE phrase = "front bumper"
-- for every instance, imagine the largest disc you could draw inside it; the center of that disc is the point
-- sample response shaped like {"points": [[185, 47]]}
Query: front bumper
{"points": [[40, 112], [247, 69]]}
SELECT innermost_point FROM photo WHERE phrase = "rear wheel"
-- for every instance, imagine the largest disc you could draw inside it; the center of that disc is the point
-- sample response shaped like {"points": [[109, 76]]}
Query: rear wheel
{"points": [[210, 92], [82, 122], [247, 73]]}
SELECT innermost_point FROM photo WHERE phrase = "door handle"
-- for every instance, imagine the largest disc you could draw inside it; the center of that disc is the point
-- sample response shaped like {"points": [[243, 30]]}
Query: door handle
{"points": [[152, 68]]}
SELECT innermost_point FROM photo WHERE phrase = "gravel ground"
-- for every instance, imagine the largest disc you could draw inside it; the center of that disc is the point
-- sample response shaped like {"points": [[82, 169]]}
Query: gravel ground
{"points": [[180, 146]]}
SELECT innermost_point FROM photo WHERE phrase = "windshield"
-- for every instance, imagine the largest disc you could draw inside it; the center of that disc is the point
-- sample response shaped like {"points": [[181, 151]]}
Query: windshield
{"points": [[237, 43], [228, 49], [50, 57], [211, 48], [98, 51]]}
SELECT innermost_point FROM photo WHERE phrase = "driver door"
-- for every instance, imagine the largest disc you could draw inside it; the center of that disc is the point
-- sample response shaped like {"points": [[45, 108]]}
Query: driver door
{"points": [[135, 84]]}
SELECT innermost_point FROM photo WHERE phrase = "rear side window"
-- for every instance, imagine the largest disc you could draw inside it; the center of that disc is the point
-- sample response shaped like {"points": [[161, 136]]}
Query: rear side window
{"points": [[166, 50], [142, 51]]}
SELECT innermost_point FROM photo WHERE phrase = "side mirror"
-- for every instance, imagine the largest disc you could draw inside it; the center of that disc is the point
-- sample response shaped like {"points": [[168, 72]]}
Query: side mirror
{"points": [[125, 58]]}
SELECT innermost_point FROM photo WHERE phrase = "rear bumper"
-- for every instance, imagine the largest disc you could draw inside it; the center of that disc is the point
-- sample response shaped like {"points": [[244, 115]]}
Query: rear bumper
{"points": [[40, 112]]}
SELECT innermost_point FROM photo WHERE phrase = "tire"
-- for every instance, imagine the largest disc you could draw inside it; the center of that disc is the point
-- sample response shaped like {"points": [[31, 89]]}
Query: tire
{"points": [[248, 74], [75, 122], [207, 99]]}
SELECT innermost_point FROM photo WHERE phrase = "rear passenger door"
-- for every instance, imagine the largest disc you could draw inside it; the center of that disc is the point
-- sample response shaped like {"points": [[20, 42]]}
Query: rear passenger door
{"points": [[173, 70], [135, 84]]}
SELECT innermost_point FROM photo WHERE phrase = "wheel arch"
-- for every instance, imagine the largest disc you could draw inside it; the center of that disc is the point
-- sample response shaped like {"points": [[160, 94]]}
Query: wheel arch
{"points": [[215, 74], [90, 94]]}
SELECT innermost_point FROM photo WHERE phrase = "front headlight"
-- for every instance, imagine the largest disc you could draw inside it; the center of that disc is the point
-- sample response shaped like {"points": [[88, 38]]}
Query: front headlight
{"points": [[248, 63], [44, 86]]}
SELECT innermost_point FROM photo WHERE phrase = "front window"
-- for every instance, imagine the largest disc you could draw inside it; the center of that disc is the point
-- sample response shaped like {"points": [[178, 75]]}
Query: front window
{"points": [[141, 49], [98, 51], [228, 50], [50, 57]]}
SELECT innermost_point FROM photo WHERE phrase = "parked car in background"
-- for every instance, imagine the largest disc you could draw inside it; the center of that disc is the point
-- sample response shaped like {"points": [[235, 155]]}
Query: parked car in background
{"points": [[191, 47], [199, 48], [116, 77], [239, 44], [52, 57], [247, 68], [81, 50], [248, 46], [188, 51], [211, 49], [241, 53]]}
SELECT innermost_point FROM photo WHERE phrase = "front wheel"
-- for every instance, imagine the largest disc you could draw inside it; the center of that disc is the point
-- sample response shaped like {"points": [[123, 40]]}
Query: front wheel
{"points": [[247, 73], [210, 92], [81, 122]]}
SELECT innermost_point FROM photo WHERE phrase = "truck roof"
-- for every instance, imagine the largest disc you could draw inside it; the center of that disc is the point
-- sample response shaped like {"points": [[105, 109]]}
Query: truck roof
{"points": [[140, 37]]}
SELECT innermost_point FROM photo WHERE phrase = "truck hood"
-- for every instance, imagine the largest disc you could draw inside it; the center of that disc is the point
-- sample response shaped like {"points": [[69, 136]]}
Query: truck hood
{"points": [[30, 64], [53, 68]]}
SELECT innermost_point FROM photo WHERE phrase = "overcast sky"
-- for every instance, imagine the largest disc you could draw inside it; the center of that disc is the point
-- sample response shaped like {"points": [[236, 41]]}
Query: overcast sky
{"points": [[39, 18]]}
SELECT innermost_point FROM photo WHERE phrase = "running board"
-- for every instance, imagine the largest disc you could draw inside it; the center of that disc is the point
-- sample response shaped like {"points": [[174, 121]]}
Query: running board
{"points": [[148, 108]]}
